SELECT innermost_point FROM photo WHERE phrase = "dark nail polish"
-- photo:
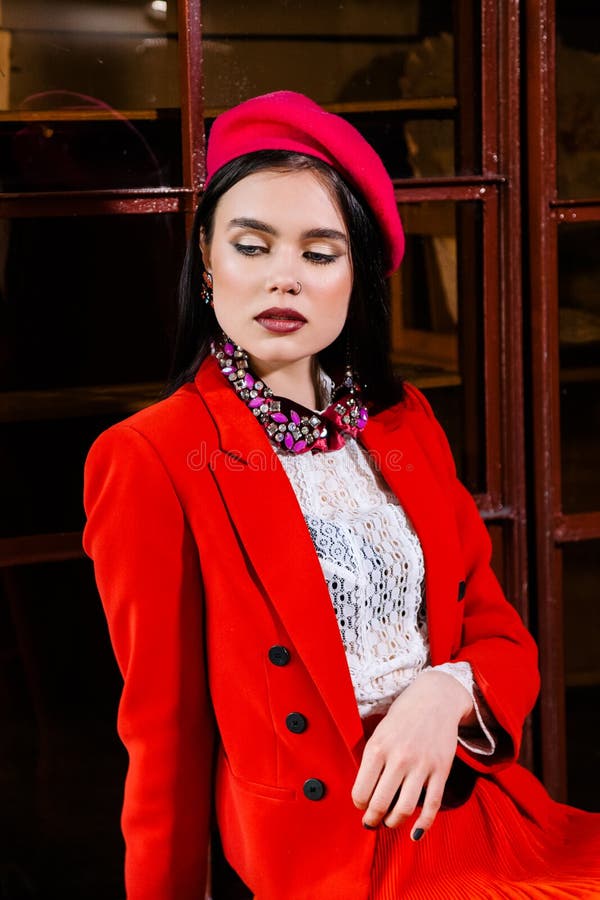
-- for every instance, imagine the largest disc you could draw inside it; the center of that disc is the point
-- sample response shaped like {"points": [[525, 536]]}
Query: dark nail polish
{"points": [[370, 827], [418, 834]]}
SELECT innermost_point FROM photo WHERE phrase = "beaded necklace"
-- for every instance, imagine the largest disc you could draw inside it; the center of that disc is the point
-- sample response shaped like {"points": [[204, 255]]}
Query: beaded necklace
{"points": [[291, 426]]}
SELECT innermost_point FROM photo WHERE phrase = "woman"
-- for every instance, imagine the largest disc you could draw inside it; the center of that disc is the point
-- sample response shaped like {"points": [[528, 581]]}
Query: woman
{"points": [[263, 544]]}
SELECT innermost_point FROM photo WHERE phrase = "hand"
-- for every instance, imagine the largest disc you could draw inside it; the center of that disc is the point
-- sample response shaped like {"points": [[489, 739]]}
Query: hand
{"points": [[412, 747]]}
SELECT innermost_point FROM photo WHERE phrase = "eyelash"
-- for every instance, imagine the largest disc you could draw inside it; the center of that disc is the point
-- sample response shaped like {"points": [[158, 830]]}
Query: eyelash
{"points": [[317, 259], [249, 249]]}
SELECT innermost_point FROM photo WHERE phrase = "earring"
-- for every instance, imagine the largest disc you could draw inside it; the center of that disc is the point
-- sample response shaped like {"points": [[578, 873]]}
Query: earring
{"points": [[206, 291], [349, 384], [349, 374]]}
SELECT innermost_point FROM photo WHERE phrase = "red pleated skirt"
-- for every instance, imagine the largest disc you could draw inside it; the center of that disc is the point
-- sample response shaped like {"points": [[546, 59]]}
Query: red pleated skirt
{"points": [[509, 840]]}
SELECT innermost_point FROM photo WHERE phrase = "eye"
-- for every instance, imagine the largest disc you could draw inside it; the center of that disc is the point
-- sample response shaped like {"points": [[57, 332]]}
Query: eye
{"points": [[321, 259], [250, 249]]}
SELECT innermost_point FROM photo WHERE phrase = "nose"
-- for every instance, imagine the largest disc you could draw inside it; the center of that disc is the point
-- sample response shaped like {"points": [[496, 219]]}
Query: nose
{"points": [[284, 284]]}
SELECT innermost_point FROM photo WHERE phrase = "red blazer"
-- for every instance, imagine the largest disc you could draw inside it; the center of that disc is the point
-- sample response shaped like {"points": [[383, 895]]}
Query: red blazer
{"points": [[204, 565]]}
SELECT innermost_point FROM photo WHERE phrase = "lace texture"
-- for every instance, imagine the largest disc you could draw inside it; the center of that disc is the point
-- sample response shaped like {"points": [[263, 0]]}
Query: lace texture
{"points": [[373, 564]]}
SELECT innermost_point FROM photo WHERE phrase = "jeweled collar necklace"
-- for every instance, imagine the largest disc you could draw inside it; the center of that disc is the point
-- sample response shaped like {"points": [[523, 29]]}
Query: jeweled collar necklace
{"points": [[292, 427]]}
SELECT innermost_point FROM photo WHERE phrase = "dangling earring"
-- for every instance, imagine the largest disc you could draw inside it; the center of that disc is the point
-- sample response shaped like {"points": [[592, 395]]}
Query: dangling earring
{"points": [[206, 292], [349, 384], [349, 374]]}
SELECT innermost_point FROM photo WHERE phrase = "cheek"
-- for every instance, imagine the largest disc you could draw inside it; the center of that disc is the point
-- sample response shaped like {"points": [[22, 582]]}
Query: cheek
{"points": [[332, 317], [339, 297], [225, 272]]}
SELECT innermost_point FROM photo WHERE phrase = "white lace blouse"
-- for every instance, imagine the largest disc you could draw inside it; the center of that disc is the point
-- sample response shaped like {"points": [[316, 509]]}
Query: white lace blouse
{"points": [[373, 565]]}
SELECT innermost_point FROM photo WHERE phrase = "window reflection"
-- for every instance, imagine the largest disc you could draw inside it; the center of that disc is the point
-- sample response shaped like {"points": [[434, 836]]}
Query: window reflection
{"points": [[388, 66], [89, 95], [436, 322], [578, 99], [87, 300], [579, 312], [124, 55], [581, 571]]}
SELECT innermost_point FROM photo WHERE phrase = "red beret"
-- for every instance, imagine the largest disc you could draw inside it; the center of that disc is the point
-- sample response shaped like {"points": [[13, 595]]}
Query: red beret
{"points": [[285, 120]]}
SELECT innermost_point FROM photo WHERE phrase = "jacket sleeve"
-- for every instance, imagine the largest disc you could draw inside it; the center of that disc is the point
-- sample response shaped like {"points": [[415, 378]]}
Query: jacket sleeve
{"points": [[149, 581], [494, 640]]}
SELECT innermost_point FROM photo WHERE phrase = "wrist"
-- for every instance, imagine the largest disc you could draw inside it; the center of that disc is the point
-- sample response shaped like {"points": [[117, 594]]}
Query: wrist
{"points": [[457, 694]]}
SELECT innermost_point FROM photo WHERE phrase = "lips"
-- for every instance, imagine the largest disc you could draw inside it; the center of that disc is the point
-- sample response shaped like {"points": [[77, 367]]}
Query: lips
{"points": [[280, 320], [277, 312]]}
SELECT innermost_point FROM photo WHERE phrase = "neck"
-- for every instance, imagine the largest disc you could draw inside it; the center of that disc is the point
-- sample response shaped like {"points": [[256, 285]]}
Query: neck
{"points": [[296, 380]]}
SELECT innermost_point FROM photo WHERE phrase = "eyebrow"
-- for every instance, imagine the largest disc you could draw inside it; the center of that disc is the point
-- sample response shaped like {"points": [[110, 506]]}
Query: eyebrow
{"points": [[251, 223], [256, 225], [331, 233]]}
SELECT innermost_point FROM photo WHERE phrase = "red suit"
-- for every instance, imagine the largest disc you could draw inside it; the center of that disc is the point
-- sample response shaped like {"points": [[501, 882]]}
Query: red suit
{"points": [[222, 625]]}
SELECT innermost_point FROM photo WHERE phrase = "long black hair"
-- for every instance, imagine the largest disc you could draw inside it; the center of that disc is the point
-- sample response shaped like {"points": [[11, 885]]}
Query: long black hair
{"points": [[366, 331]]}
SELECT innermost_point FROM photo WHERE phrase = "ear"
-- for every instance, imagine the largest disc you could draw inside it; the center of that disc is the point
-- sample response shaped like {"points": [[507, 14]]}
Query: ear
{"points": [[205, 250]]}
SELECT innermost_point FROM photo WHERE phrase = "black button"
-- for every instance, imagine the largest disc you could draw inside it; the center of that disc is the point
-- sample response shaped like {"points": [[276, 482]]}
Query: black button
{"points": [[314, 789], [296, 722], [462, 589], [279, 656]]}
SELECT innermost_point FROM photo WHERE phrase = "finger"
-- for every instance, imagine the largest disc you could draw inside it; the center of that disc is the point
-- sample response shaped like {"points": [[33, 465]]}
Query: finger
{"points": [[383, 797], [431, 806], [366, 780], [407, 800]]}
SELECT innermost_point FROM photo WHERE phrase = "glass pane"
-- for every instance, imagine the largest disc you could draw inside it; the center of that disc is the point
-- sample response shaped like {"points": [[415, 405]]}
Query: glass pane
{"points": [[91, 98], [578, 98], [61, 761], [581, 575], [497, 532], [437, 336], [388, 66], [87, 301], [42, 472], [579, 276], [86, 308]]}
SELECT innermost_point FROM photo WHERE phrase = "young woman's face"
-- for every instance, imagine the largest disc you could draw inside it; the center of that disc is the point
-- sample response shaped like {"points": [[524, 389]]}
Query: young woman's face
{"points": [[274, 231]]}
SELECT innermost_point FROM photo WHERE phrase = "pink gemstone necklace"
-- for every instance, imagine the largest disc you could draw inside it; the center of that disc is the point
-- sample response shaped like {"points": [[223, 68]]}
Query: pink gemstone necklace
{"points": [[289, 425]]}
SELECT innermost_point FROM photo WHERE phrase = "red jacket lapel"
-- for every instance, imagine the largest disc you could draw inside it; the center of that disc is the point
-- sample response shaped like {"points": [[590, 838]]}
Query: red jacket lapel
{"points": [[269, 521]]}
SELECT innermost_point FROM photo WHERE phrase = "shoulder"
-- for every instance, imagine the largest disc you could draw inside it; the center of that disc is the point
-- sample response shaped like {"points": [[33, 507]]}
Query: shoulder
{"points": [[165, 429], [167, 419], [413, 407]]}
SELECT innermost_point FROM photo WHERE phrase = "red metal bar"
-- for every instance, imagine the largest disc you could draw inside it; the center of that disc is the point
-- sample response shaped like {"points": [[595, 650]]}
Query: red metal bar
{"points": [[492, 339], [438, 194], [192, 92], [541, 125], [511, 394], [511, 308], [577, 527], [576, 203], [92, 204], [449, 181], [35, 548], [572, 213], [490, 86]]}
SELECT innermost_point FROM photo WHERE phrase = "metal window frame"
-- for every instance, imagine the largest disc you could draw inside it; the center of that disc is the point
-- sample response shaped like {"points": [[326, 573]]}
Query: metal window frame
{"points": [[497, 189]]}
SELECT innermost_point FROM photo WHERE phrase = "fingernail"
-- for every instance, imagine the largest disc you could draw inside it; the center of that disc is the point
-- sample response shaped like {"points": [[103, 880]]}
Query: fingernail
{"points": [[418, 834], [369, 827]]}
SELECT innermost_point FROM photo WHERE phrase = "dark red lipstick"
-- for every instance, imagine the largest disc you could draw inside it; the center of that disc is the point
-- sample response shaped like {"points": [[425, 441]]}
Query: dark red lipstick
{"points": [[280, 320]]}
